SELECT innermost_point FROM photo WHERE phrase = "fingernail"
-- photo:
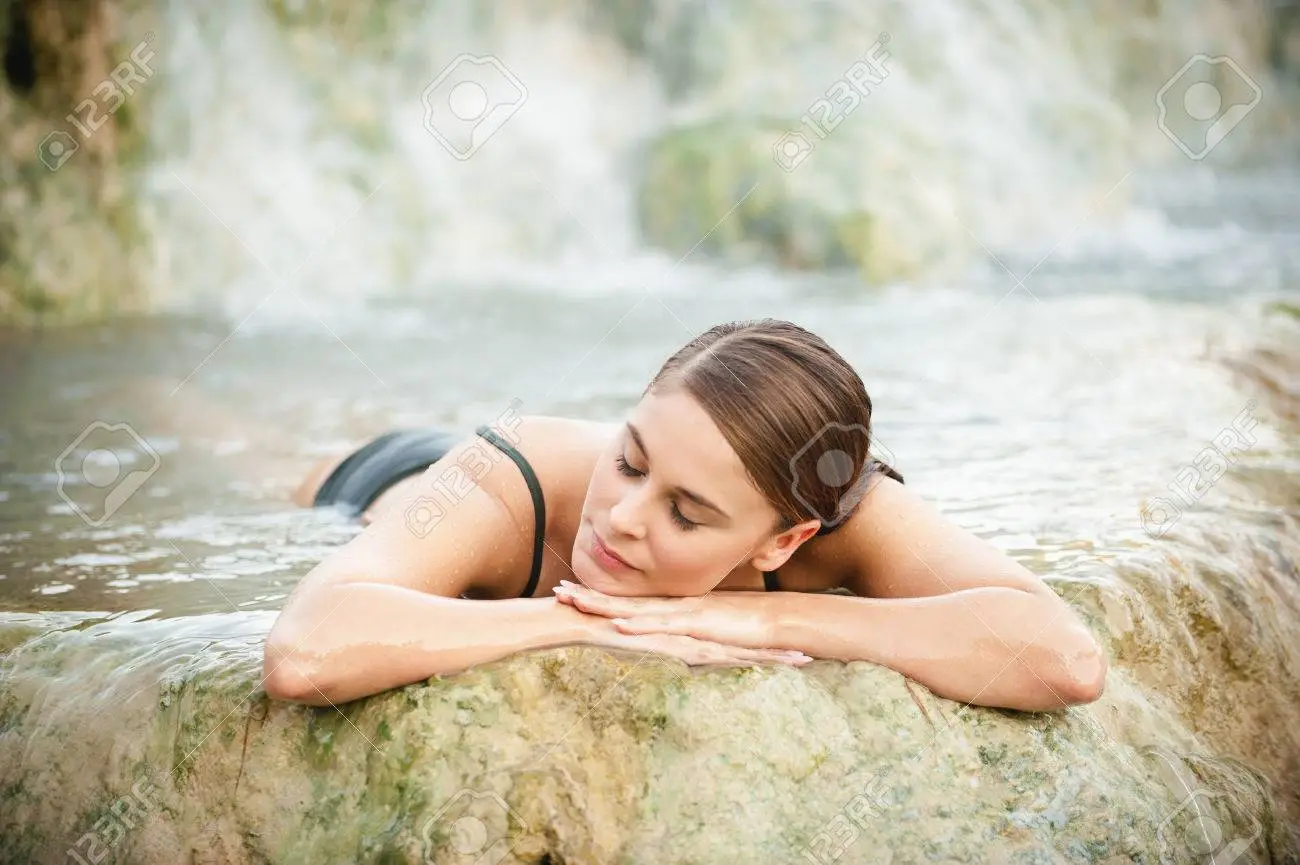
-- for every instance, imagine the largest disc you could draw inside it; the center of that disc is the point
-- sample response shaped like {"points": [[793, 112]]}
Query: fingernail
{"points": [[561, 590], [619, 621], [566, 583]]}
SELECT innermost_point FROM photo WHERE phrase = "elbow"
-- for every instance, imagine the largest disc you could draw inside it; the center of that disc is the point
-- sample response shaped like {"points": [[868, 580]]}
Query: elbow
{"points": [[292, 675], [1083, 677]]}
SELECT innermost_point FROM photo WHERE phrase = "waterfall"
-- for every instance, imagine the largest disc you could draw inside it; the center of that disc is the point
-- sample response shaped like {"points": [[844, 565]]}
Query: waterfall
{"points": [[286, 154]]}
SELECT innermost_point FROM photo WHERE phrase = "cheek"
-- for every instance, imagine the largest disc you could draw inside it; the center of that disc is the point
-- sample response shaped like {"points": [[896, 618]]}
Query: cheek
{"points": [[688, 554], [602, 487]]}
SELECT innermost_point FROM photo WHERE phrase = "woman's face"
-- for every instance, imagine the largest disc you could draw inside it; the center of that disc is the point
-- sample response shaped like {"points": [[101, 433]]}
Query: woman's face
{"points": [[671, 498]]}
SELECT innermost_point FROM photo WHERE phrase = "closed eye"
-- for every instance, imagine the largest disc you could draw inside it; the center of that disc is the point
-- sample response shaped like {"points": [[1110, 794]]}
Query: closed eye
{"points": [[626, 469], [678, 516]]}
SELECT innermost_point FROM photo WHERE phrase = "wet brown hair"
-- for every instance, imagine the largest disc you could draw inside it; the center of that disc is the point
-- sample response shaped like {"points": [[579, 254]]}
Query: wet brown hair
{"points": [[794, 411]]}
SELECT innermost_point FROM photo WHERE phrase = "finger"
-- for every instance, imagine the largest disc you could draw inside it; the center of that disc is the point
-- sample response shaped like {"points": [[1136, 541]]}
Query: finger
{"points": [[775, 656], [594, 601], [681, 624], [600, 606], [745, 661], [579, 590], [625, 605], [710, 652], [648, 625]]}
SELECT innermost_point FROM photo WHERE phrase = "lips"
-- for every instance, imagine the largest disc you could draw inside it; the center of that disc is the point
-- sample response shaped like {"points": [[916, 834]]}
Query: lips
{"points": [[602, 547]]}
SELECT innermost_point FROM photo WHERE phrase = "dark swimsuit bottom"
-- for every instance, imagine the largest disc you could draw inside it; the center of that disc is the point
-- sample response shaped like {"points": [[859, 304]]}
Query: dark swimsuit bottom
{"points": [[363, 476]]}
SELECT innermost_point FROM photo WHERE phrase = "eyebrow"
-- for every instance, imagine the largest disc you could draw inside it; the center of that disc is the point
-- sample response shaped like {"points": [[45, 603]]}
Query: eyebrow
{"points": [[693, 496]]}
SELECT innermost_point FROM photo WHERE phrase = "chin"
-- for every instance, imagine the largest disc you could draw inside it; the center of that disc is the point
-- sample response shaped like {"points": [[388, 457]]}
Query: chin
{"points": [[593, 576], [590, 575]]}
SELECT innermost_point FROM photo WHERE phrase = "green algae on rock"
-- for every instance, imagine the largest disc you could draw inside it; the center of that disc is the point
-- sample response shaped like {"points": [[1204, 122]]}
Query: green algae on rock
{"points": [[159, 745]]}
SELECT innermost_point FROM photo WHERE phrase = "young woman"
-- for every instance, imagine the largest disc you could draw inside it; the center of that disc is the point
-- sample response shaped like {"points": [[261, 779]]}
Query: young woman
{"points": [[708, 527]]}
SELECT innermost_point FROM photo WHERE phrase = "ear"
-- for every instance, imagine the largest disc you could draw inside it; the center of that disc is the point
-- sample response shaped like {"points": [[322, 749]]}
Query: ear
{"points": [[781, 547]]}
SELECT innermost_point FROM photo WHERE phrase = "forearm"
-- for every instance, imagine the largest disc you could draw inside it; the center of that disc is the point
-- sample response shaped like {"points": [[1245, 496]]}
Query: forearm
{"points": [[354, 639], [992, 646]]}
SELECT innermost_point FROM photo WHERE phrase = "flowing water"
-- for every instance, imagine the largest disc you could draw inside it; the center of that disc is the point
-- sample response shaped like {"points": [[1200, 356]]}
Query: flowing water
{"points": [[1041, 414]]}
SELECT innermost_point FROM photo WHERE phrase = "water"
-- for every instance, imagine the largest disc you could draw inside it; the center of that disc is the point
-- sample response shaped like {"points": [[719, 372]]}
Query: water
{"points": [[1079, 388], [1087, 387]]}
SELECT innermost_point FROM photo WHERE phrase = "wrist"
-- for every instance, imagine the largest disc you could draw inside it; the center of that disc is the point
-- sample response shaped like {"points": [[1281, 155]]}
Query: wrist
{"points": [[783, 619], [571, 624], [831, 625]]}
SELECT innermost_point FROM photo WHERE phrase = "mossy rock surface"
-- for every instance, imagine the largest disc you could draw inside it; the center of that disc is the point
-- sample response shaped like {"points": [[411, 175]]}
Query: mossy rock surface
{"points": [[586, 755], [72, 245]]}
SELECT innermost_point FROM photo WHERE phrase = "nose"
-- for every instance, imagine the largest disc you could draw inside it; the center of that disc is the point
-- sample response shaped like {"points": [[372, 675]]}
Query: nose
{"points": [[624, 516]]}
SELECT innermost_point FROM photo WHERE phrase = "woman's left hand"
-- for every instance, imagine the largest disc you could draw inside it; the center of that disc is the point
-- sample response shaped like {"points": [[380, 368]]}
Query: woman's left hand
{"points": [[739, 619]]}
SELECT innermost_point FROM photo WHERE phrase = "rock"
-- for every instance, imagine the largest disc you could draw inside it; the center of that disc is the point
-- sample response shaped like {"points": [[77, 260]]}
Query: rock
{"points": [[152, 742], [718, 187], [72, 247]]}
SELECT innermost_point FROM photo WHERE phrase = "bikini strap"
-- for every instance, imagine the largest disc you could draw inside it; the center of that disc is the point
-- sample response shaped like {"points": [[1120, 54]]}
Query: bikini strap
{"points": [[539, 505]]}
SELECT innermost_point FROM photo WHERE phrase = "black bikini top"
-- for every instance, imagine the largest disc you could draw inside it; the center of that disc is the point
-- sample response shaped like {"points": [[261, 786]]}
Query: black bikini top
{"points": [[539, 505]]}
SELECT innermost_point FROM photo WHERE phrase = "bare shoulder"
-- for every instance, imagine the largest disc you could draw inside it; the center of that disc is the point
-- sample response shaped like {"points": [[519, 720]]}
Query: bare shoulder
{"points": [[901, 545], [436, 534], [464, 527], [555, 439], [561, 451]]}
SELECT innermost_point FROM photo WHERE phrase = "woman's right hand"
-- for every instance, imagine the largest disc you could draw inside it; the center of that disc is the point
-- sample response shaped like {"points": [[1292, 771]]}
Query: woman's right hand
{"points": [[694, 651]]}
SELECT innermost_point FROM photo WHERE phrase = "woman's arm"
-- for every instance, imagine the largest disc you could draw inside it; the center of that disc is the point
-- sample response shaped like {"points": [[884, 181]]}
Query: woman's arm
{"points": [[934, 602], [354, 639], [386, 609], [992, 646], [952, 611]]}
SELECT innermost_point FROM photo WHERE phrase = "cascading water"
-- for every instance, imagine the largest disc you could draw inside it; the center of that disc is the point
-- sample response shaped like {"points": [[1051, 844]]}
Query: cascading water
{"points": [[283, 144]]}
